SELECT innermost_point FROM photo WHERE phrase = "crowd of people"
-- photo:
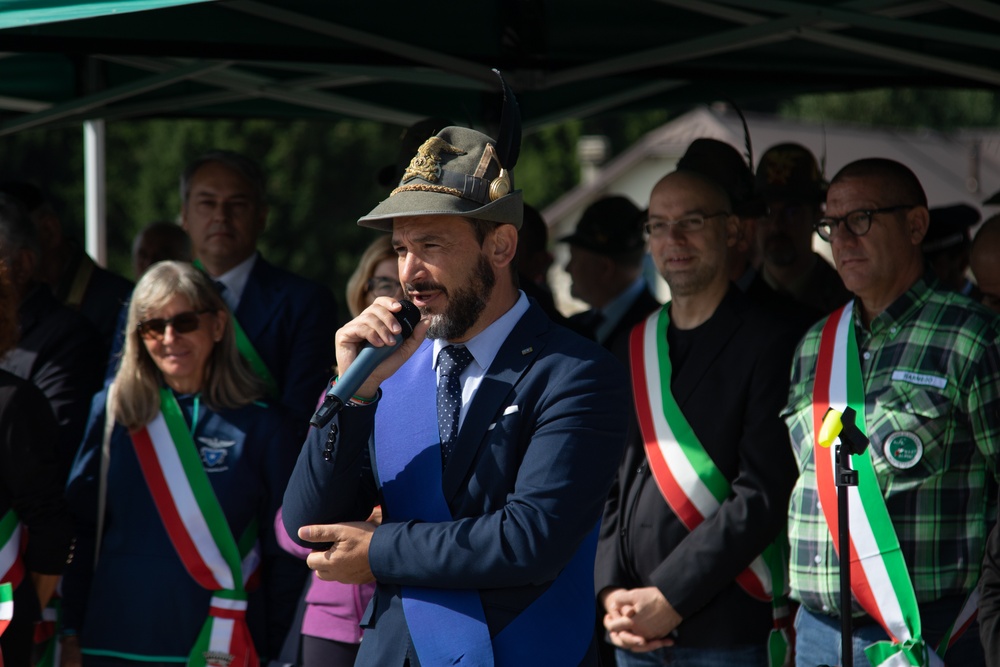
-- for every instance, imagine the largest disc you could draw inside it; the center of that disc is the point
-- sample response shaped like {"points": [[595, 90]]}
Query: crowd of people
{"points": [[638, 484]]}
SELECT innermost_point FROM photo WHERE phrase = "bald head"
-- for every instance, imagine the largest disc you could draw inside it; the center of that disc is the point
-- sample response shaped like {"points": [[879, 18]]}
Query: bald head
{"points": [[897, 181], [691, 228], [707, 190], [985, 262]]}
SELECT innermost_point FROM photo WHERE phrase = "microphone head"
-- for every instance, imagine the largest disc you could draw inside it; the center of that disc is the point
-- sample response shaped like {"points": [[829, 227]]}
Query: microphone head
{"points": [[408, 317]]}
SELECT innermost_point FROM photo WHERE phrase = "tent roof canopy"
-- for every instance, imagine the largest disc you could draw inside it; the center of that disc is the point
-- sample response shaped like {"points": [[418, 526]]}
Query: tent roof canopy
{"points": [[397, 62]]}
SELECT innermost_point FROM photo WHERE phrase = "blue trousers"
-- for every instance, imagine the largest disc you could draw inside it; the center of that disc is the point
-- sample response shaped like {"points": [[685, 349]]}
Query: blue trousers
{"points": [[677, 656], [817, 638]]}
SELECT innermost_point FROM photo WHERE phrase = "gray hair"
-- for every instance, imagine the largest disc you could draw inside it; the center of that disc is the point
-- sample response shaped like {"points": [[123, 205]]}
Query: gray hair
{"points": [[241, 164], [229, 380]]}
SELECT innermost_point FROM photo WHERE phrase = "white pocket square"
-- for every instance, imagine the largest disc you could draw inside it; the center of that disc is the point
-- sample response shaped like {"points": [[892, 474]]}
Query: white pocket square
{"points": [[509, 411]]}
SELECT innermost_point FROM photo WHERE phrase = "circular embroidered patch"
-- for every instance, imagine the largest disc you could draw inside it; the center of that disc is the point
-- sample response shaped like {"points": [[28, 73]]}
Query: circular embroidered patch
{"points": [[903, 449]]}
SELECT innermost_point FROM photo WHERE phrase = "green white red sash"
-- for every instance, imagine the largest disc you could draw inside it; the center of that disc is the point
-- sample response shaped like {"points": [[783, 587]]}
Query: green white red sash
{"points": [[6, 610], [47, 630], [690, 482], [6, 606], [879, 578], [11, 563], [199, 532]]}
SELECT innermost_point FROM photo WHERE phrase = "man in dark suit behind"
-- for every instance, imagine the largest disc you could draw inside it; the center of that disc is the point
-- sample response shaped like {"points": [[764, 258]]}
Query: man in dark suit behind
{"points": [[709, 375], [57, 350], [606, 253], [75, 279], [491, 479], [288, 321]]}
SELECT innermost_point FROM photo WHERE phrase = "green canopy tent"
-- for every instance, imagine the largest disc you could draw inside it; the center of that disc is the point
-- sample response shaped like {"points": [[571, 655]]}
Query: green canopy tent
{"points": [[395, 62]]}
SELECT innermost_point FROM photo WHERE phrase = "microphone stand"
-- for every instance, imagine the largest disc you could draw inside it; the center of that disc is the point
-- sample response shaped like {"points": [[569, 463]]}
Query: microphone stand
{"points": [[852, 441]]}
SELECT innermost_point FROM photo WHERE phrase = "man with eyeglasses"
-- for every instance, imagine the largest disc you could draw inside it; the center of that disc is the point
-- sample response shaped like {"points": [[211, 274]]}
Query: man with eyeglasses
{"points": [[691, 534], [921, 367], [284, 323], [723, 164], [789, 180]]}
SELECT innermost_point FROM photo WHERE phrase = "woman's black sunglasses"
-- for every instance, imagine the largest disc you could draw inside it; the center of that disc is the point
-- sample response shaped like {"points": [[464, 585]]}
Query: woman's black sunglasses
{"points": [[182, 323]]}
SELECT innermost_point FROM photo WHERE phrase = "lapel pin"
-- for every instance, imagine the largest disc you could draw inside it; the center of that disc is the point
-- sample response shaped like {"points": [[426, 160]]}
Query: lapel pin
{"points": [[527, 350]]}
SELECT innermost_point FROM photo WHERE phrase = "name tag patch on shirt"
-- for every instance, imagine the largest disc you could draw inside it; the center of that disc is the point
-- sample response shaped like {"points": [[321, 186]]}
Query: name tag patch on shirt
{"points": [[919, 378], [903, 449]]}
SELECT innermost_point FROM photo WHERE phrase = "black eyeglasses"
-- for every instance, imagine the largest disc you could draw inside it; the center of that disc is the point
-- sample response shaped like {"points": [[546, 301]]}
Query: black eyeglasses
{"points": [[182, 323], [381, 286], [857, 222], [691, 223]]}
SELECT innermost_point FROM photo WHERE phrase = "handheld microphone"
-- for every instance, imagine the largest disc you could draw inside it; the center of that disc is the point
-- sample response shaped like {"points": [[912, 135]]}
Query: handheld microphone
{"points": [[367, 361]]}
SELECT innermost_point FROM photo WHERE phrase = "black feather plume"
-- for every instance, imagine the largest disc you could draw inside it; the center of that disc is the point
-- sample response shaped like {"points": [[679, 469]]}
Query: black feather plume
{"points": [[509, 136], [746, 135], [746, 130]]}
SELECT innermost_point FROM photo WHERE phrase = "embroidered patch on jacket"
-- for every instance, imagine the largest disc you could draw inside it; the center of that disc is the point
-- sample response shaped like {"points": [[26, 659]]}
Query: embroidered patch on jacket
{"points": [[214, 453], [903, 449]]}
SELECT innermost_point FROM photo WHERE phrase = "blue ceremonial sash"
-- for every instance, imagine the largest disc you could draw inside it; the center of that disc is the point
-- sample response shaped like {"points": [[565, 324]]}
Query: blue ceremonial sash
{"points": [[448, 626]]}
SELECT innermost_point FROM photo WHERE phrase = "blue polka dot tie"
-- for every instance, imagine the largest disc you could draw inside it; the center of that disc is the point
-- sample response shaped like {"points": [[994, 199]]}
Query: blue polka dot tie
{"points": [[451, 362]]}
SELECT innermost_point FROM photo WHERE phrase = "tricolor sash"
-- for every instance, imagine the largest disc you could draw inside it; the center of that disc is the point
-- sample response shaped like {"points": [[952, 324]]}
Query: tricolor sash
{"points": [[687, 477], [11, 563], [46, 640], [198, 529], [879, 578], [248, 351], [6, 609], [448, 626], [6, 605]]}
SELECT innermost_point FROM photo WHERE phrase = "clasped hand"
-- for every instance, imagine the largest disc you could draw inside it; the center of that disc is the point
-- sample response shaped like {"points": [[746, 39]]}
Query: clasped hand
{"points": [[639, 619], [346, 560]]}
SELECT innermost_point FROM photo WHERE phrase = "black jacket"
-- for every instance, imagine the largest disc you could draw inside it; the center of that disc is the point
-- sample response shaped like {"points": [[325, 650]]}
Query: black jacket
{"points": [[731, 385], [60, 353]]}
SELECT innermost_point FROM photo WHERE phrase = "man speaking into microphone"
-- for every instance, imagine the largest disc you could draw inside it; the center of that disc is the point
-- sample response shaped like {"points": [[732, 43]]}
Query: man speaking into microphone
{"points": [[490, 438]]}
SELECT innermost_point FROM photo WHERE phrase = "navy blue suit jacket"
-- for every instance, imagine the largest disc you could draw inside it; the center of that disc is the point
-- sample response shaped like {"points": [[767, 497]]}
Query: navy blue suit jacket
{"points": [[524, 484], [291, 322]]}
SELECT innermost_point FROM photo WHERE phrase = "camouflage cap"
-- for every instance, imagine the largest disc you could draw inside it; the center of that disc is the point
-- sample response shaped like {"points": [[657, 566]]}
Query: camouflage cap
{"points": [[455, 172], [789, 172]]}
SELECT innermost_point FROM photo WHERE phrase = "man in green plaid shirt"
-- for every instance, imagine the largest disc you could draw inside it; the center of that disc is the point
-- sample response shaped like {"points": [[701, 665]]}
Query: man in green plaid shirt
{"points": [[930, 366]]}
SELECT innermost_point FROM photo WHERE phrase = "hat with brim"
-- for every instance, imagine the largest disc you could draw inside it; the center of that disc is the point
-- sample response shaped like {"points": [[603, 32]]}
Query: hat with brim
{"points": [[790, 173], [949, 227], [456, 172], [721, 163], [610, 226]]}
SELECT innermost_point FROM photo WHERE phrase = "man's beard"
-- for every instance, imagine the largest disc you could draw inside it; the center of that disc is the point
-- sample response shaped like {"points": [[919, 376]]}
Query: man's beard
{"points": [[465, 304]]}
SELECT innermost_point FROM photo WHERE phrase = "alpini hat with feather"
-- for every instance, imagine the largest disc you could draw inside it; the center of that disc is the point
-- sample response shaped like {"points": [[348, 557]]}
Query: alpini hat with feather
{"points": [[462, 172]]}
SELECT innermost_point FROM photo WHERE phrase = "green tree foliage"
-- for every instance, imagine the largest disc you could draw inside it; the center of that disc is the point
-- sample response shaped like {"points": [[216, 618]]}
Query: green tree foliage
{"points": [[321, 178], [900, 107]]}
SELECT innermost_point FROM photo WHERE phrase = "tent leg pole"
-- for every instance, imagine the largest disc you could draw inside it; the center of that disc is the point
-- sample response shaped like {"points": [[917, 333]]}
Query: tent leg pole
{"points": [[95, 175]]}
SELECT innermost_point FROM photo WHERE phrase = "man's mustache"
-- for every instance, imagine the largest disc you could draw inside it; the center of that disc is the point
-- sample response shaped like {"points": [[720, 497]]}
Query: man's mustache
{"points": [[426, 287]]}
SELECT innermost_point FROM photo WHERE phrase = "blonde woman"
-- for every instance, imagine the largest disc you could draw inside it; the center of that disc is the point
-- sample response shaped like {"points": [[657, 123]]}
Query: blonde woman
{"points": [[196, 467], [377, 275]]}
